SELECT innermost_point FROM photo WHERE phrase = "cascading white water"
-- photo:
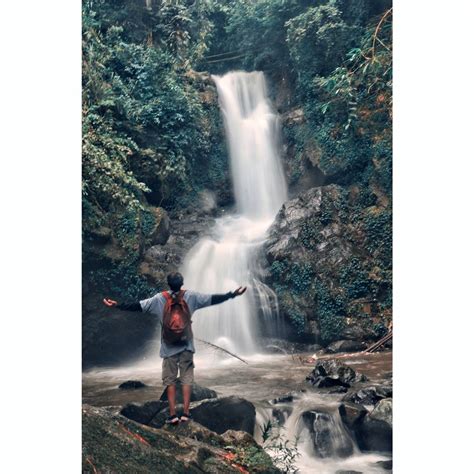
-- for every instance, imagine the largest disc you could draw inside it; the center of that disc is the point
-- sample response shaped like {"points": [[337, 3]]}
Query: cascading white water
{"points": [[220, 264]]}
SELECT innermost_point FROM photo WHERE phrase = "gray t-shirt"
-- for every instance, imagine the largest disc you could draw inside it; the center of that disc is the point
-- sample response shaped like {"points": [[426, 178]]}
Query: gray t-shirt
{"points": [[156, 304]]}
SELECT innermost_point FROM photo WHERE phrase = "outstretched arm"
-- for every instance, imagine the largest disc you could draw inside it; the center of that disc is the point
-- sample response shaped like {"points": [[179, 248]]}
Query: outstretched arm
{"points": [[136, 306], [216, 299]]}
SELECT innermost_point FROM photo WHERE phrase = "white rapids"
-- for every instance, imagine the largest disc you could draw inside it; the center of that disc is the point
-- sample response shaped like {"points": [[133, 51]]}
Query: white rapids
{"points": [[222, 263]]}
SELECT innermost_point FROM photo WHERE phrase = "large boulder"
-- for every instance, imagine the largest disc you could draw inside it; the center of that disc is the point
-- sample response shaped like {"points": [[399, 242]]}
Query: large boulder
{"points": [[158, 409], [329, 373], [329, 265], [376, 429], [228, 413], [329, 438], [219, 415], [352, 415], [143, 413], [185, 230], [345, 346]]}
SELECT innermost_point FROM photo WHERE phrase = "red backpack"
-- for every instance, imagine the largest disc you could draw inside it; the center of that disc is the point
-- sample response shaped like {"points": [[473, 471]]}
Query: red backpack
{"points": [[176, 318]]}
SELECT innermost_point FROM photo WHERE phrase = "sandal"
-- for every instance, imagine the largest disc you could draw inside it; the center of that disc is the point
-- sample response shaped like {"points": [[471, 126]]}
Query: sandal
{"points": [[172, 420], [185, 417]]}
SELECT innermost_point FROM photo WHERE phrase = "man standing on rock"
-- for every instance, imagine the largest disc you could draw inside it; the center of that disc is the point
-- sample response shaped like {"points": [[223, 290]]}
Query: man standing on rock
{"points": [[174, 309]]}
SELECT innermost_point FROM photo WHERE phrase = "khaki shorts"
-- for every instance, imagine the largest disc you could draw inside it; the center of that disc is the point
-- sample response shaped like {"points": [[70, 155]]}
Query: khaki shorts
{"points": [[183, 360]]}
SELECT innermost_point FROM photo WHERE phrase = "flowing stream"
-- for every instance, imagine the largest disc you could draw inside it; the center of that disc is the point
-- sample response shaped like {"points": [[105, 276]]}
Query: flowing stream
{"points": [[230, 258]]}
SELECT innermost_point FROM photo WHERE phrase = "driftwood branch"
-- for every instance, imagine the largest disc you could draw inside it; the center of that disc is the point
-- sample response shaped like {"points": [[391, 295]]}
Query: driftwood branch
{"points": [[221, 349], [380, 342]]}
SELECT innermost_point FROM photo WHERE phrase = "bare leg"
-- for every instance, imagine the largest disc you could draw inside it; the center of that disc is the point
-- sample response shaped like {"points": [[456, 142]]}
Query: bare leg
{"points": [[171, 393], [186, 398]]}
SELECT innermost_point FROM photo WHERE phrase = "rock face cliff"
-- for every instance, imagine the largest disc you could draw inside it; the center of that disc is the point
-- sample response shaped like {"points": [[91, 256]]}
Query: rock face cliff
{"points": [[330, 273]]}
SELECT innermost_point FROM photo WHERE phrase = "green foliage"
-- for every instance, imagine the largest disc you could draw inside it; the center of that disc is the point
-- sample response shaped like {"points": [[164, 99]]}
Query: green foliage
{"points": [[300, 277], [253, 458], [283, 451], [331, 310], [122, 281], [297, 320], [309, 232], [355, 280], [318, 39], [145, 126], [378, 228]]}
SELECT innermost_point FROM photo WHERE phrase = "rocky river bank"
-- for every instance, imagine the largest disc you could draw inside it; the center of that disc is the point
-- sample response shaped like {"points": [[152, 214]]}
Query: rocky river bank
{"points": [[339, 408]]}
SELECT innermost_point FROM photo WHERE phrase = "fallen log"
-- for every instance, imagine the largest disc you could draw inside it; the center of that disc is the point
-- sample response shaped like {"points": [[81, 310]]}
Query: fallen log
{"points": [[380, 343]]}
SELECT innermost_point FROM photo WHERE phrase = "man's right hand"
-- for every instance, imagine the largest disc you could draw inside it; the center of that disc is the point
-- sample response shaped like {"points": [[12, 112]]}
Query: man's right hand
{"points": [[110, 303]]}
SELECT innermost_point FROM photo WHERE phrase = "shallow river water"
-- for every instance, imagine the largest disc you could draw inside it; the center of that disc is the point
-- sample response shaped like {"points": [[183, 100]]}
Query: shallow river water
{"points": [[265, 378]]}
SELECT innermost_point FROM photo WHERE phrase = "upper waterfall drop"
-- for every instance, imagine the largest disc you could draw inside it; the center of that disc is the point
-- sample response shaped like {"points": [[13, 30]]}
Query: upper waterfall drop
{"points": [[229, 259], [252, 131]]}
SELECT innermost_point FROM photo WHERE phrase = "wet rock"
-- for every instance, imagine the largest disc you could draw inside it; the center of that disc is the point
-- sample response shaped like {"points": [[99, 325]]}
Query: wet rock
{"points": [[376, 429], [383, 412], [338, 389], [281, 414], [352, 415], [227, 413], [131, 385], [281, 346], [160, 233], [198, 393], [369, 395], [288, 398], [312, 234], [387, 465], [329, 437], [345, 346], [143, 413], [329, 373], [284, 399], [218, 415]]}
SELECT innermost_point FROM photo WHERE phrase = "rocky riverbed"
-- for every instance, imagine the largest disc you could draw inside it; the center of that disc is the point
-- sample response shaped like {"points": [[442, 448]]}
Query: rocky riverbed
{"points": [[341, 426]]}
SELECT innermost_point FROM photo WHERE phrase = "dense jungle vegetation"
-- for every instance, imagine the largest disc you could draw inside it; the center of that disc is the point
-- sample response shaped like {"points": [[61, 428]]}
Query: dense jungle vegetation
{"points": [[152, 135]]}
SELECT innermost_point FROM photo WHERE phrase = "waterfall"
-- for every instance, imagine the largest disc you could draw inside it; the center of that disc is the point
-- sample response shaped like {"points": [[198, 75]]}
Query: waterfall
{"points": [[229, 258]]}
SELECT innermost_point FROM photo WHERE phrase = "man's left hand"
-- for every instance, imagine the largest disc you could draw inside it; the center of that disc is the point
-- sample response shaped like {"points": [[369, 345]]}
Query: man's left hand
{"points": [[239, 291]]}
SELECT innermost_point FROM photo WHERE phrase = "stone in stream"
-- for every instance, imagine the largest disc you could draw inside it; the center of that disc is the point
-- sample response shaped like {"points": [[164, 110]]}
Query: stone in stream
{"points": [[218, 414], [387, 465], [329, 373], [352, 415], [289, 397], [345, 346], [198, 393], [330, 439], [369, 395], [376, 429], [131, 385], [149, 410], [228, 413]]}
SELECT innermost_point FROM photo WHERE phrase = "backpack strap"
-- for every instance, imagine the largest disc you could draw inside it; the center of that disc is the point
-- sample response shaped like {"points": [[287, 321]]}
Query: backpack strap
{"points": [[167, 295]]}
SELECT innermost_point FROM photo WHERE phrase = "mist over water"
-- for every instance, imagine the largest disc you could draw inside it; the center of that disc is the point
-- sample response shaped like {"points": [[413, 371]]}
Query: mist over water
{"points": [[229, 259]]}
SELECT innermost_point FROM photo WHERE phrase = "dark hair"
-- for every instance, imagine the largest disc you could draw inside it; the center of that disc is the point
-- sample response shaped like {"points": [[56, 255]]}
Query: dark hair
{"points": [[175, 281]]}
